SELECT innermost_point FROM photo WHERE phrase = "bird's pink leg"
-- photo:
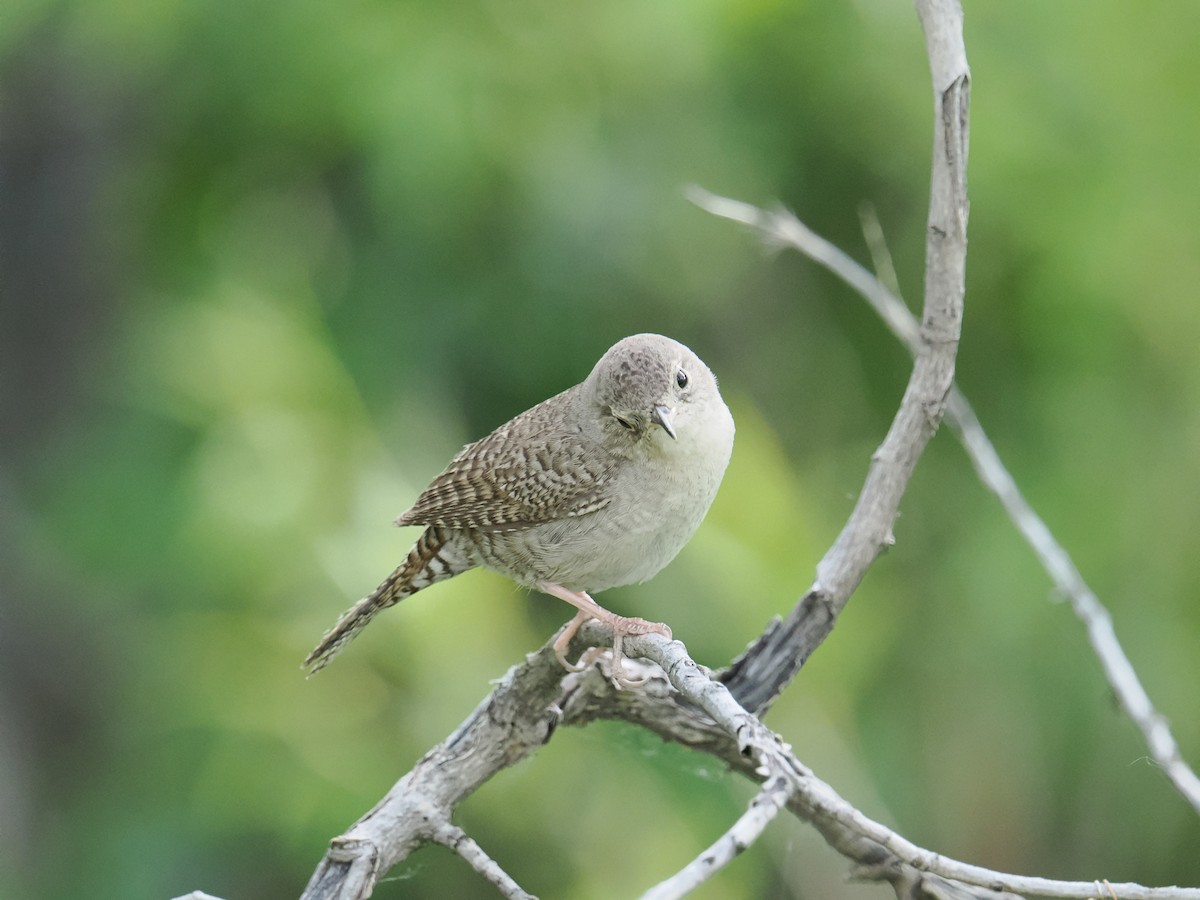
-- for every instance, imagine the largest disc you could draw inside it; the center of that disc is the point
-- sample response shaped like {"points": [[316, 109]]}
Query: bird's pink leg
{"points": [[590, 609], [563, 641]]}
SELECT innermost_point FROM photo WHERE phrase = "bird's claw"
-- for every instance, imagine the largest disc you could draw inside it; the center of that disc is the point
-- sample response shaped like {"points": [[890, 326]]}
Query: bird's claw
{"points": [[631, 625]]}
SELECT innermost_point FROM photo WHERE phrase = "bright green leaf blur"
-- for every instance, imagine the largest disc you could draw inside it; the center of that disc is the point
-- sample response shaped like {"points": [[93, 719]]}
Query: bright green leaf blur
{"points": [[265, 266]]}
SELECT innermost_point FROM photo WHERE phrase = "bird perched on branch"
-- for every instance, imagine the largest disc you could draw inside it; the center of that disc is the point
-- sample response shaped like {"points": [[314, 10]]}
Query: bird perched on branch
{"points": [[598, 487]]}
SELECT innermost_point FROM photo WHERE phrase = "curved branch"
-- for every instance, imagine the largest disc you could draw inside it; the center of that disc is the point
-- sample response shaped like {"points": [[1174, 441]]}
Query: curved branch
{"points": [[740, 836], [765, 669], [783, 228]]}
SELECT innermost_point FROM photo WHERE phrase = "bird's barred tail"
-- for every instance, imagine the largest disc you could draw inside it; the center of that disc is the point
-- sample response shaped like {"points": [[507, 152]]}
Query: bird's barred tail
{"points": [[428, 562]]}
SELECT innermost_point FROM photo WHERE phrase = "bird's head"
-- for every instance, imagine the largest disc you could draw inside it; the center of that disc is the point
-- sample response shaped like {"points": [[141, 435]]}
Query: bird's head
{"points": [[650, 390]]}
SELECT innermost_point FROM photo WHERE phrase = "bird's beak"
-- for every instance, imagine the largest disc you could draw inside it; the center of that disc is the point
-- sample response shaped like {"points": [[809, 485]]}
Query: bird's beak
{"points": [[661, 415]]}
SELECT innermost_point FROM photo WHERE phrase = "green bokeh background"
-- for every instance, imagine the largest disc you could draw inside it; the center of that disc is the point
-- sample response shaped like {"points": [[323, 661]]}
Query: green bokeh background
{"points": [[266, 266]]}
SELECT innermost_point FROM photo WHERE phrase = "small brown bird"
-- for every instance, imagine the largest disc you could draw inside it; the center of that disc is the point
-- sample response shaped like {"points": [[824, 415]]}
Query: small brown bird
{"points": [[599, 486]]}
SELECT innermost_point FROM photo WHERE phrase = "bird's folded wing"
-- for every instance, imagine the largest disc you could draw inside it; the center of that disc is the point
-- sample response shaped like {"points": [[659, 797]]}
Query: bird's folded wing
{"points": [[527, 472]]}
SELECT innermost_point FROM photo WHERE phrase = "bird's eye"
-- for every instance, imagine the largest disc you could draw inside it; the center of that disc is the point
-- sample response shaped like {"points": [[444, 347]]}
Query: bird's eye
{"points": [[625, 423], [681, 379]]}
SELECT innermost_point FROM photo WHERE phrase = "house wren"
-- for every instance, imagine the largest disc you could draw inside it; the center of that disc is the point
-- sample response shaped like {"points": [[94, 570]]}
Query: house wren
{"points": [[597, 487]]}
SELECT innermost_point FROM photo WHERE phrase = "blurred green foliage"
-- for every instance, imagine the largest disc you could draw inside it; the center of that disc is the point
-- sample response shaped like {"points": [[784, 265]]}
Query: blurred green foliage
{"points": [[266, 265]]}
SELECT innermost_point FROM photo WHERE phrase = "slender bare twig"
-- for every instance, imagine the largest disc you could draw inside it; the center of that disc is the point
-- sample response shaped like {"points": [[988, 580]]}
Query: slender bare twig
{"points": [[881, 255], [1053, 557], [515, 719], [1119, 671], [744, 832], [781, 227], [453, 837], [815, 800]]}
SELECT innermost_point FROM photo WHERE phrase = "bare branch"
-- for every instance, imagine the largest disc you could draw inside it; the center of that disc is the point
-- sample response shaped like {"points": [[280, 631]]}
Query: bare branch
{"points": [[817, 802], [942, 23], [1053, 557], [783, 228], [460, 842], [742, 835], [1119, 671], [770, 663]]}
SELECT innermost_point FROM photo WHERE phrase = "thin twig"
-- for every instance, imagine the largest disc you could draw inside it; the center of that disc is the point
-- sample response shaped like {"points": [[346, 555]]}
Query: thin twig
{"points": [[1119, 671], [453, 837], [819, 802], [782, 228], [1054, 559], [741, 836], [881, 254]]}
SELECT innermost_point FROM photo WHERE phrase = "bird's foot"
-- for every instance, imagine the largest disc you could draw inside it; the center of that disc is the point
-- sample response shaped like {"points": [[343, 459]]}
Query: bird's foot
{"points": [[628, 626], [623, 627]]}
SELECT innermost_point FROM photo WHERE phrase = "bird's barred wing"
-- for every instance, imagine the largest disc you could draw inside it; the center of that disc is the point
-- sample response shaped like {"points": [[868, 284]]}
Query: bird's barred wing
{"points": [[528, 471]]}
